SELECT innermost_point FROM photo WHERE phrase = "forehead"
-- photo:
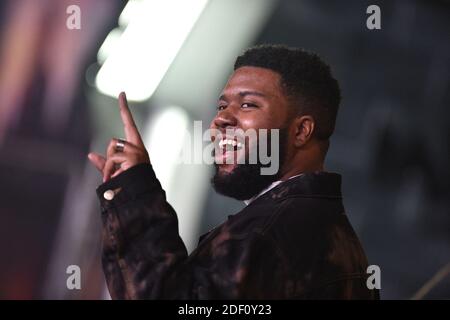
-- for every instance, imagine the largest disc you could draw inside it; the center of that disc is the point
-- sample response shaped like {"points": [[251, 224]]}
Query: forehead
{"points": [[255, 79]]}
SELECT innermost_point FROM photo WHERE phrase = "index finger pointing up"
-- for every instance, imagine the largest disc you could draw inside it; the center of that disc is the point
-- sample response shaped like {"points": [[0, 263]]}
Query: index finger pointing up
{"points": [[131, 132]]}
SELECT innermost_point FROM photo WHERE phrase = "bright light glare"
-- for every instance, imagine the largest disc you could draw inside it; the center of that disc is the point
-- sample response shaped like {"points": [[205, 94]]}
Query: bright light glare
{"points": [[155, 32], [166, 139], [131, 9], [109, 45]]}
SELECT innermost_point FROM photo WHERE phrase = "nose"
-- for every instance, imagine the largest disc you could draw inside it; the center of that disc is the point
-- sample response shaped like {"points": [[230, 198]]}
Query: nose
{"points": [[224, 119]]}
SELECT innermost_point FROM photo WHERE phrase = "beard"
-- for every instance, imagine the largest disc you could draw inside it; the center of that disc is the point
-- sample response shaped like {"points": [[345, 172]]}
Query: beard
{"points": [[246, 180]]}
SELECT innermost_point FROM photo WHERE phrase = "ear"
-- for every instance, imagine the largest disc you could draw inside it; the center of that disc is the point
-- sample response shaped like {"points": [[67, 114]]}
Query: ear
{"points": [[304, 128]]}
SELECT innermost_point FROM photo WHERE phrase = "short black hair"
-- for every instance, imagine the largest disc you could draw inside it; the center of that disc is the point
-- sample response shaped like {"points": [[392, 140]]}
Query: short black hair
{"points": [[306, 79]]}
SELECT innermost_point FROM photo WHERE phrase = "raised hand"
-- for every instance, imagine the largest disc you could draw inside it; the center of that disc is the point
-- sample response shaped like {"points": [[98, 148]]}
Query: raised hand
{"points": [[121, 154]]}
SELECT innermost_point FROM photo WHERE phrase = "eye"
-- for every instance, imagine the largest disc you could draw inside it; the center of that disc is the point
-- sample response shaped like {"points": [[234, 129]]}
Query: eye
{"points": [[221, 107], [248, 105]]}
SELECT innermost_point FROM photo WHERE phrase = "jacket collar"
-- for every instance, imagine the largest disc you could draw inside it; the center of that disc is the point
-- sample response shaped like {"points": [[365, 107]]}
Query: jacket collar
{"points": [[320, 184], [272, 185]]}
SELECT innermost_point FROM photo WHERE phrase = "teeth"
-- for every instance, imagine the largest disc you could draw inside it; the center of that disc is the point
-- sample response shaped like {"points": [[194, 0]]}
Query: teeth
{"points": [[229, 143]]}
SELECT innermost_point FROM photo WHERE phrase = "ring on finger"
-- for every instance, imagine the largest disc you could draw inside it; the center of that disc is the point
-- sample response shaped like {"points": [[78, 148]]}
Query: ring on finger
{"points": [[120, 145]]}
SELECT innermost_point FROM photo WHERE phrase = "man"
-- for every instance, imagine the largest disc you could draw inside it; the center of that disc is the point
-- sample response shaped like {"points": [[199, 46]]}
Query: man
{"points": [[292, 240]]}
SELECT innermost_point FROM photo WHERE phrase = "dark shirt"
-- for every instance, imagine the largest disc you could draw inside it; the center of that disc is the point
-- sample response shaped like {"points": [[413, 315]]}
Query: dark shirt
{"points": [[292, 242]]}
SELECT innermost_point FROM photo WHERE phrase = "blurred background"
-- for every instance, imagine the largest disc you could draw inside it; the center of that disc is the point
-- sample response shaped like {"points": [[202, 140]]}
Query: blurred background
{"points": [[58, 89]]}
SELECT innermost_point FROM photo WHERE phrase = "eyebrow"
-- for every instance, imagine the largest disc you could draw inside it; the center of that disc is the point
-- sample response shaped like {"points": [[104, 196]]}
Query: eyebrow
{"points": [[244, 93]]}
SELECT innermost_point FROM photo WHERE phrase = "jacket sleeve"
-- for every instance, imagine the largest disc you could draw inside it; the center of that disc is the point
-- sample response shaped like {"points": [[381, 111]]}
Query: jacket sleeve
{"points": [[144, 257]]}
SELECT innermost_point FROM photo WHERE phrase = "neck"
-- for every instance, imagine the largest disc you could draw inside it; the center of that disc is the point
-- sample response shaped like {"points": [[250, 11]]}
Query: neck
{"points": [[309, 159]]}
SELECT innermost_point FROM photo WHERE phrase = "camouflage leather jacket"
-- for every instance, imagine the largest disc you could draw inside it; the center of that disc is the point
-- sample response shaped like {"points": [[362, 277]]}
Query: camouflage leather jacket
{"points": [[293, 242]]}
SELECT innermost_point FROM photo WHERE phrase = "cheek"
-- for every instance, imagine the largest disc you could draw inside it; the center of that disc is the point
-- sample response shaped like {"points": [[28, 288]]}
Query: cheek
{"points": [[261, 121]]}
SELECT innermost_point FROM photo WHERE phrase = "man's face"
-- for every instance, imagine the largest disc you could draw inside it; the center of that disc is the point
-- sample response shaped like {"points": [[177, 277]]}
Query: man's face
{"points": [[252, 99]]}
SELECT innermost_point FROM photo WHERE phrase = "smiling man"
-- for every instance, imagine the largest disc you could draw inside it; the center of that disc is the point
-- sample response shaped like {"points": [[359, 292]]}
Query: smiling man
{"points": [[292, 240]]}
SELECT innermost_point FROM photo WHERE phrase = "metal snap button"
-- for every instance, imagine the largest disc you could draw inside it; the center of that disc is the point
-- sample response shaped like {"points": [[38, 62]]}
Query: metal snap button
{"points": [[108, 195]]}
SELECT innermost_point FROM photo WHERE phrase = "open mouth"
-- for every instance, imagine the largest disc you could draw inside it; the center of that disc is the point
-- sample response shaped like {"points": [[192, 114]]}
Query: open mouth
{"points": [[229, 151], [230, 145]]}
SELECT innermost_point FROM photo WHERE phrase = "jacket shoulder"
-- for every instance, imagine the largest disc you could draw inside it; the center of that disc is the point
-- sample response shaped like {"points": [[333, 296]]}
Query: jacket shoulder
{"points": [[319, 242]]}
